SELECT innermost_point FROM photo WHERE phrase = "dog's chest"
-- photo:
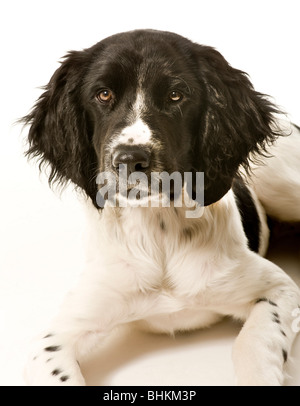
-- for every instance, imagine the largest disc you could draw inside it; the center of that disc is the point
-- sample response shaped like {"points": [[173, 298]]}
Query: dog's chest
{"points": [[166, 266], [162, 251]]}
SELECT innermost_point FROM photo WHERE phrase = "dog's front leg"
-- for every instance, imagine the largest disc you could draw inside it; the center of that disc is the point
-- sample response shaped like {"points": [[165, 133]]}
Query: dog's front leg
{"points": [[89, 313], [264, 343], [55, 355]]}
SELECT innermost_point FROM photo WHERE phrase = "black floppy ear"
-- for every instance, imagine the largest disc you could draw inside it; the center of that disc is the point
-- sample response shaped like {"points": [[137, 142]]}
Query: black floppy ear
{"points": [[59, 133], [237, 121]]}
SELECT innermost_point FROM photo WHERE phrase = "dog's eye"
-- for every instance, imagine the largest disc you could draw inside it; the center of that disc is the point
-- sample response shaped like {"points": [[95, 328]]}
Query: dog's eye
{"points": [[175, 96], [105, 96]]}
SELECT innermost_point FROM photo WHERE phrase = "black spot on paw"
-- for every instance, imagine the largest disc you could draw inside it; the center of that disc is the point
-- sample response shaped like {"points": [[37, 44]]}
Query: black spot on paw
{"points": [[53, 348], [262, 299], [49, 335], [285, 355], [276, 317], [56, 372], [283, 333], [64, 378]]}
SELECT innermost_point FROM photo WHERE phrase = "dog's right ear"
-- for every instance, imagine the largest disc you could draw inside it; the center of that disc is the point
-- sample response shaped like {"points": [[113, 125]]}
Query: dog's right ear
{"points": [[60, 134], [239, 123]]}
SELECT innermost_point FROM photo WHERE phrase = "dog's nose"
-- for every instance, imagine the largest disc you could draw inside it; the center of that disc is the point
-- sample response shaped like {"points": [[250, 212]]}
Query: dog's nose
{"points": [[136, 159]]}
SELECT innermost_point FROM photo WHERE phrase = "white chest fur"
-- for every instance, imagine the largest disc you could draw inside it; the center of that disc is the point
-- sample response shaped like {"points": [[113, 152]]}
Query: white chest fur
{"points": [[167, 259]]}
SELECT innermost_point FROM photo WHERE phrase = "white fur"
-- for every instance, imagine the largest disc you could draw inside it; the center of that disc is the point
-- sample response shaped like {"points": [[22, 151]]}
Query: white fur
{"points": [[138, 132], [277, 183], [183, 275]]}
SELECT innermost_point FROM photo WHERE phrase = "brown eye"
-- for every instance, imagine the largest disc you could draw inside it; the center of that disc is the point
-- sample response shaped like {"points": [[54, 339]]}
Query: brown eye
{"points": [[105, 96], [175, 96]]}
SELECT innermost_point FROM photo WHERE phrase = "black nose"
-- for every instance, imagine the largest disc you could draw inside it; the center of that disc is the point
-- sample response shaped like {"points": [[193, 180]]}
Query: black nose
{"points": [[137, 159]]}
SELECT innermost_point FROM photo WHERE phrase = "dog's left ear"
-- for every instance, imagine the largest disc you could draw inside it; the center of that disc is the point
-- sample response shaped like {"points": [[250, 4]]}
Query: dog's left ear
{"points": [[237, 122], [60, 133]]}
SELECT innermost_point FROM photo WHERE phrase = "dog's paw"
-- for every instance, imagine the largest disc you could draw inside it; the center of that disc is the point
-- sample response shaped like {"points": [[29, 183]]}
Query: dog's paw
{"points": [[52, 364], [257, 363]]}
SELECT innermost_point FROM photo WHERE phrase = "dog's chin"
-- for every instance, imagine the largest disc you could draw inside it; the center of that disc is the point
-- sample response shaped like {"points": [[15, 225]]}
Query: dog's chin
{"points": [[134, 198], [141, 190]]}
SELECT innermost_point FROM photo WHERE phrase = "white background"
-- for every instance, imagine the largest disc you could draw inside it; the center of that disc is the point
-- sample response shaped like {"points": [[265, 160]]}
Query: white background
{"points": [[41, 239]]}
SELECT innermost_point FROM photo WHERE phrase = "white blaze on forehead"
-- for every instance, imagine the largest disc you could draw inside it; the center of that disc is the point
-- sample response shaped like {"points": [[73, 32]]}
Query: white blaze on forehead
{"points": [[138, 132], [139, 104]]}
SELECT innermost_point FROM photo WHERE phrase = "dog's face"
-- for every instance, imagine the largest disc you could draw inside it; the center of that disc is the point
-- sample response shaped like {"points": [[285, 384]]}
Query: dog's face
{"points": [[154, 101], [144, 102]]}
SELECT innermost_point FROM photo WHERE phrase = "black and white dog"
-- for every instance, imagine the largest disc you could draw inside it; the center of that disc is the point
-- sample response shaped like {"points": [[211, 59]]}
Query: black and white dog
{"points": [[156, 102]]}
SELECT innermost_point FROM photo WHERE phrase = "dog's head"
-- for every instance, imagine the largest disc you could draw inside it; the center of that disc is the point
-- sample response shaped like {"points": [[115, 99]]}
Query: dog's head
{"points": [[154, 101]]}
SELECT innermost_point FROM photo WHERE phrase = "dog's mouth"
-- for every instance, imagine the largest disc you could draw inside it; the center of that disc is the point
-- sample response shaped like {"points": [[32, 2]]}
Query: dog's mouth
{"points": [[123, 188], [137, 188]]}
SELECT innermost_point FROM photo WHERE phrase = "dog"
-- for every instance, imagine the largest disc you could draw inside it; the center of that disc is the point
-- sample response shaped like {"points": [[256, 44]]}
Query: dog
{"points": [[155, 102]]}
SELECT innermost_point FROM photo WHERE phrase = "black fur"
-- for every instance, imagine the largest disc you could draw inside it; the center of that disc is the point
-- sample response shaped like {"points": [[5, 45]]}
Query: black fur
{"points": [[283, 333], [56, 372], [298, 128], [48, 335], [53, 348], [218, 122], [285, 355], [248, 212], [264, 299]]}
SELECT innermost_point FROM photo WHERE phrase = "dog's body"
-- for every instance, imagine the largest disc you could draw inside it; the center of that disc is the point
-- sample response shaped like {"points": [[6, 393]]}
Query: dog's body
{"points": [[139, 99]]}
